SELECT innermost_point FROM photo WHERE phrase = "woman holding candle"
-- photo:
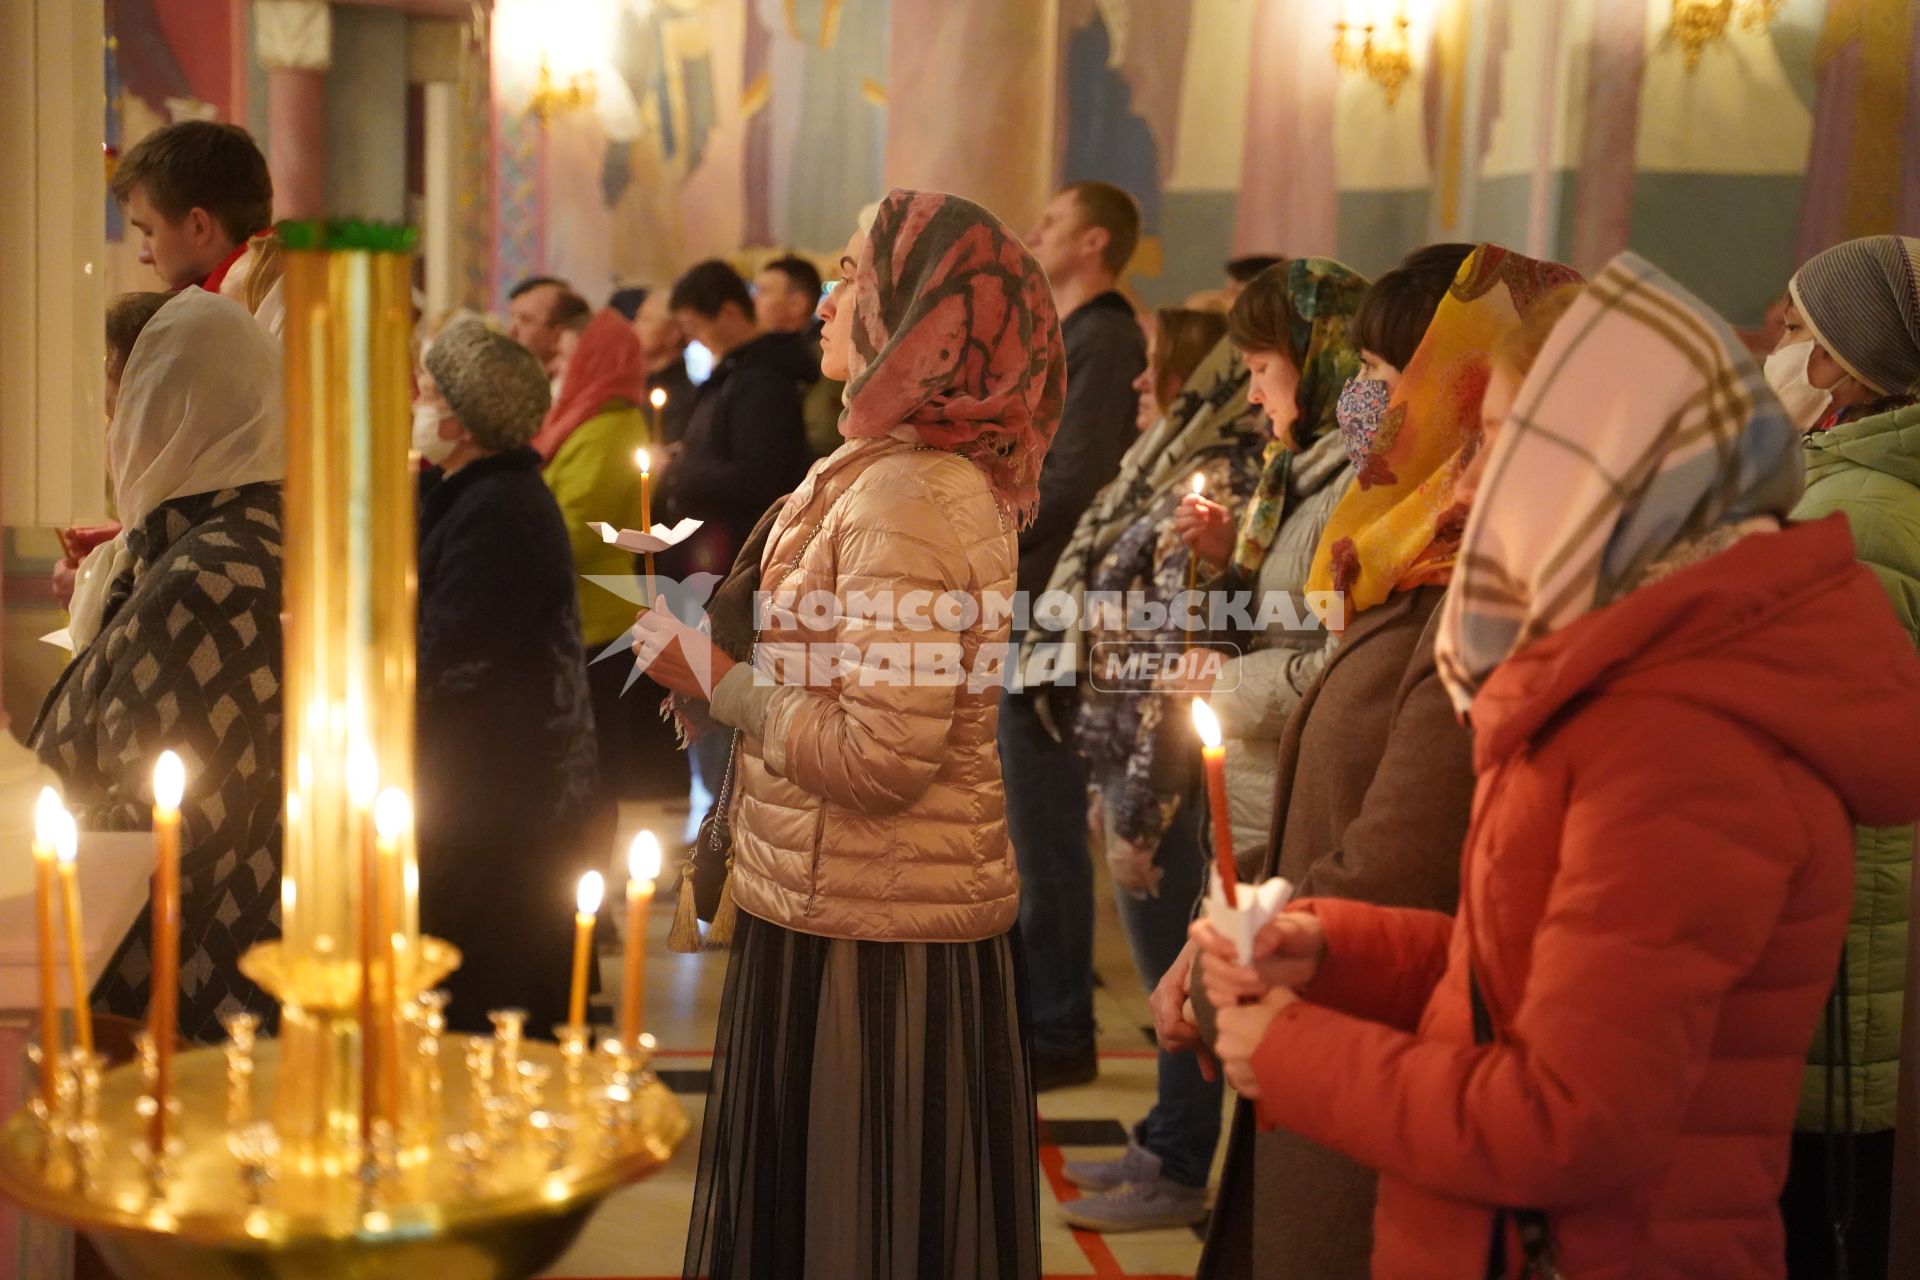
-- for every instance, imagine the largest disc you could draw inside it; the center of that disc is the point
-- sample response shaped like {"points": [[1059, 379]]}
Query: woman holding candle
{"points": [[508, 793], [1605, 1046], [1266, 548], [1375, 773], [181, 650], [870, 1106], [1135, 731]]}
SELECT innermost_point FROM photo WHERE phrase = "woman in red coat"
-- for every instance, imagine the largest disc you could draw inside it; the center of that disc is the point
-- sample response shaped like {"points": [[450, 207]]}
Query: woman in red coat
{"points": [[1679, 709]]}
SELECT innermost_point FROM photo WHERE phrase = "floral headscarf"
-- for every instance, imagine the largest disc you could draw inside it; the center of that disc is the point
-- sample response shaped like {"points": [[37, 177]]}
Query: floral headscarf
{"points": [[1324, 294], [1596, 475], [955, 336], [1399, 526]]}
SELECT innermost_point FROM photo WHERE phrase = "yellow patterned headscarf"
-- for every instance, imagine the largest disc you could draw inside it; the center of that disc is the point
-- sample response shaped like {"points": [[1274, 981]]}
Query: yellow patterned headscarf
{"points": [[1398, 526]]}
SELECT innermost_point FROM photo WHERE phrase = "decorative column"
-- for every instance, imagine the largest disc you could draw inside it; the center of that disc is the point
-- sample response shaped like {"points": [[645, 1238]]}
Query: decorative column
{"points": [[52, 233], [294, 41]]}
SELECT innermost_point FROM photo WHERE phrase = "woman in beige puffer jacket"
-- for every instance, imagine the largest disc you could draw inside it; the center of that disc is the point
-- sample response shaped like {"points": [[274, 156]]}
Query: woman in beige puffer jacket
{"points": [[870, 1113]]}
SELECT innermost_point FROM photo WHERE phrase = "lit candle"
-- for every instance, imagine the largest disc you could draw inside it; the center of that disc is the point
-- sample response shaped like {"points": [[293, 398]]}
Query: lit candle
{"points": [[46, 835], [392, 818], [659, 401], [67, 848], [1213, 756], [363, 781], [645, 463], [593, 887], [163, 1019], [643, 868], [1193, 556]]}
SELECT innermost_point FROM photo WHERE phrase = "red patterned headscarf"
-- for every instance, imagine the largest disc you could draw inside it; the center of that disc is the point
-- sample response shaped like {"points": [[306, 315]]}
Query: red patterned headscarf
{"points": [[608, 366], [954, 335]]}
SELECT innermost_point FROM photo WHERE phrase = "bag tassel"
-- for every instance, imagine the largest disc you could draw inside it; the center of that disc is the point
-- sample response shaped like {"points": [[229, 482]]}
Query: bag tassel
{"points": [[684, 936], [720, 932]]}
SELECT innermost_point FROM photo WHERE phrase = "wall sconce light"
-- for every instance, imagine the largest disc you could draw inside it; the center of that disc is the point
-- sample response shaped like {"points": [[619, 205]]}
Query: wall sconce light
{"points": [[1695, 24], [551, 95], [1385, 52], [550, 50]]}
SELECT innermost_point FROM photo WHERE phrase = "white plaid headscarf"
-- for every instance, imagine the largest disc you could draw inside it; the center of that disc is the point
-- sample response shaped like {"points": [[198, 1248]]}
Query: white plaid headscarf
{"points": [[1861, 299], [1644, 423]]}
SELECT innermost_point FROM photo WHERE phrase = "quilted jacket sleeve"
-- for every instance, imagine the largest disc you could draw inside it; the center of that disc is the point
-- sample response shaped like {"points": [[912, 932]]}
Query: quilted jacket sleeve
{"points": [[1674, 869], [873, 738]]}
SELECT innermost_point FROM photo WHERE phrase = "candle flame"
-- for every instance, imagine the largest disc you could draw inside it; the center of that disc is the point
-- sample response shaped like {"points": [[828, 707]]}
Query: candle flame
{"points": [[593, 887], [643, 857], [642, 461], [66, 838], [659, 398], [363, 775], [169, 781], [1205, 723], [46, 818], [1199, 484], [392, 814]]}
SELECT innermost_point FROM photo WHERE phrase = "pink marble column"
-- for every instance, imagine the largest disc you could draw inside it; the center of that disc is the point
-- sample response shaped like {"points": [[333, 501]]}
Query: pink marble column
{"points": [[297, 141]]}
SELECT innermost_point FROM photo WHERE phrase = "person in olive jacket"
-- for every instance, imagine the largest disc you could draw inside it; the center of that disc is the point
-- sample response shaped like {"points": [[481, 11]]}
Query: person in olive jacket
{"points": [[1848, 370]]}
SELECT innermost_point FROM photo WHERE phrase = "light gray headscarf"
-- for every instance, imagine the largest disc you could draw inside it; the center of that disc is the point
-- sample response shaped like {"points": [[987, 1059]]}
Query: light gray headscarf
{"points": [[1861, 299], [199, 411]]}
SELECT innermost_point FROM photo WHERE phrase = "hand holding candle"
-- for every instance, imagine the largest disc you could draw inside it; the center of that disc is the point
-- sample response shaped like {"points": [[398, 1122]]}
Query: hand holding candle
{"points": [[1213, 755], [642, 460], [47, 814], [66, 849], [593, 888], [1193, 556], [163, 1019], [643, 868]]}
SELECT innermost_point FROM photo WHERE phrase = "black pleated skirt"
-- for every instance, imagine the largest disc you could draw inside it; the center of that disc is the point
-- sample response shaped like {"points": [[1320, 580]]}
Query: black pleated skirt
{"points": [[870, 1114]]}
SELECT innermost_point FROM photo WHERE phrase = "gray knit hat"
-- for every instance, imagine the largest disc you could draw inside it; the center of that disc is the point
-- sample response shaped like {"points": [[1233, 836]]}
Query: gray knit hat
{"points": [[1861, 299], [494, 385]]}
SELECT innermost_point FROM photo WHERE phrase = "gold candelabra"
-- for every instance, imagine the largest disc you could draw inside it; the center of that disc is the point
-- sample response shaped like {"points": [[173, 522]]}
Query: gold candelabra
{"points": [[1386, 59], [550, 95], [363, 1141], [1695, 24]]}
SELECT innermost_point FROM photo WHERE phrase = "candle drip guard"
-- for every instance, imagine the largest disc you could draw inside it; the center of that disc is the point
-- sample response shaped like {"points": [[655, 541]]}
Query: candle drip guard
{"points": [[364, 1142]]}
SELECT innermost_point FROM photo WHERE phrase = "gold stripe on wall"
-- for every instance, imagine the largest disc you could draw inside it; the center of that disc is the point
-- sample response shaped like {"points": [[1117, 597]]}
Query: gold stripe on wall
{"points": [[1450, 66], [755, 95]]}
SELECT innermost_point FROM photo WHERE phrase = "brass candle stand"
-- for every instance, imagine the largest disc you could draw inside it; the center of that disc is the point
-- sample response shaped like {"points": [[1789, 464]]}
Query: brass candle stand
{"points": [[363, 1141]]}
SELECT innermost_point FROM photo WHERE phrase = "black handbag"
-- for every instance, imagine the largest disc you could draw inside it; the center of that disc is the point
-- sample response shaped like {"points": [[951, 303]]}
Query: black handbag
{"points": [[1530, 1225]]}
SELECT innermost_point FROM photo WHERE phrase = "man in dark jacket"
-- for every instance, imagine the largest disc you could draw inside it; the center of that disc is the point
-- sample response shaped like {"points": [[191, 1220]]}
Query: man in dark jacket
{"points": [[745, 444], [1083, 240], [507, 778]]}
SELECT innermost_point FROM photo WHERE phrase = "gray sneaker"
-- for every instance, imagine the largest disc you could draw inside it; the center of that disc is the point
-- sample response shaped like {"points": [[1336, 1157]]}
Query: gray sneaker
{"points": [[1149, 1205], [1137, 1165]]}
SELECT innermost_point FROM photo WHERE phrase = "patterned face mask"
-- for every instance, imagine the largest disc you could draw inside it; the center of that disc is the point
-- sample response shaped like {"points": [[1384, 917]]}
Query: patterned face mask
{"points": [[1362, 406]]}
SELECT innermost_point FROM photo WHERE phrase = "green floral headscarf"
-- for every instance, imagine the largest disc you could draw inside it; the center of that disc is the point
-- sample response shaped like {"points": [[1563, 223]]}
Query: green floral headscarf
{"points": [[1324, 294]]}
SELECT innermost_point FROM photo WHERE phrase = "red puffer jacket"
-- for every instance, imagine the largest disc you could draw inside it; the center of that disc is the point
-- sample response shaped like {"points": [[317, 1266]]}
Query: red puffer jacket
{"points": [[1654, 892]]}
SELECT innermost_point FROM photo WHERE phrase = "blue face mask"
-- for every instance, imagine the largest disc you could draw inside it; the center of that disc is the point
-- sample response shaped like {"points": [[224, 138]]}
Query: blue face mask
{"points": [[1361, 409]]}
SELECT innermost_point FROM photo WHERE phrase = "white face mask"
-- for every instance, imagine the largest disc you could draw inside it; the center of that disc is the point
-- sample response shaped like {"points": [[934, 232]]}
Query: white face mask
{"points": [[1786, 372], [426, 434]]}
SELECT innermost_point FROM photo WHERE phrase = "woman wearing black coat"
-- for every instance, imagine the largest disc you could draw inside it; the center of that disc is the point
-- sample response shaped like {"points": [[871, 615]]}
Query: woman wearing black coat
{"points": [[507, 776]]}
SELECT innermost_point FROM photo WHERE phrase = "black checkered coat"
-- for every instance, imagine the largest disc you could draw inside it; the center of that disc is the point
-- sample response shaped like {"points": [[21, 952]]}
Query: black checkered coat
{"points": [[188, 658]]}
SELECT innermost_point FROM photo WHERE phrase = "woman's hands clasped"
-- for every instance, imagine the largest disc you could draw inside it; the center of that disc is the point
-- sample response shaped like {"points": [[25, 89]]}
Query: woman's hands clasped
{"points": [[1247, 998]]}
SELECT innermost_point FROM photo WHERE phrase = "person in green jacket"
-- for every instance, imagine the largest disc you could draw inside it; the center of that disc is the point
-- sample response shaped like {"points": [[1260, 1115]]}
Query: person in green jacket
{"points": [[1848, 370], [588, 441]]}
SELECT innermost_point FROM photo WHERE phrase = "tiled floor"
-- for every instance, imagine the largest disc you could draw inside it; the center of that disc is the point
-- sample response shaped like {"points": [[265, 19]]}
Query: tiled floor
{"points": [[641, 1231]]}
